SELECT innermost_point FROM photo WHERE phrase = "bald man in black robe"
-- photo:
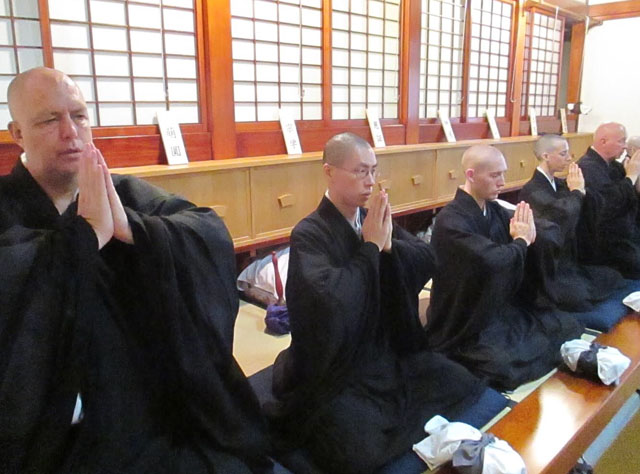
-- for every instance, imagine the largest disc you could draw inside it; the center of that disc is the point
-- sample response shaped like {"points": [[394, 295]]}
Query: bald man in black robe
{"points": [[117, 307], [356, 385], [479, 313], [566, 283], [616, 237]]}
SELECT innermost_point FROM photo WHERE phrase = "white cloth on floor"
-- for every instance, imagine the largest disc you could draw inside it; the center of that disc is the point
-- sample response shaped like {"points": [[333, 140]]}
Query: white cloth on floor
{"points": [[260, 275], [611, 362], [632, 301], [446, 438]]}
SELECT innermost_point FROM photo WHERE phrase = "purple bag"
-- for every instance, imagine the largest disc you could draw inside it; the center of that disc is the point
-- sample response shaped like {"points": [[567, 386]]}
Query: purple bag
{"points": [[277, 318]]}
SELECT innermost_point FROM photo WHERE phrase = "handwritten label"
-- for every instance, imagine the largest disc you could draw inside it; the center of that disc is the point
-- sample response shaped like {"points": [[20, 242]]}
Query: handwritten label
{"points": [[491, 118], [172, 138], [446, 125], [290, 133], [563, 120], [376, 129], [534, 121]]}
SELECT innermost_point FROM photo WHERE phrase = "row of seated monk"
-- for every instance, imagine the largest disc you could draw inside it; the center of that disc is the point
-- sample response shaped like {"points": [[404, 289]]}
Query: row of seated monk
{"points": [[119, 302]]}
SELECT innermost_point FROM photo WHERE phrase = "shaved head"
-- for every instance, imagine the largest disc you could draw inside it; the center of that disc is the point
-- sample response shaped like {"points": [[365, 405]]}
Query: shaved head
{"points": [[38, 81], [633, 144], [548, 144], [50, 122], [609, 140], [484, 169], [342, 146], [478, 156]]}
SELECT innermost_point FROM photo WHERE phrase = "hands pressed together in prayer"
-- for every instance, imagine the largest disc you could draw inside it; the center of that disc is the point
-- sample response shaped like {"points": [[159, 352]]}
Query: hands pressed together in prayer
{"points": [[522, 225], [378, 226], [575, 179], [98, 201]]}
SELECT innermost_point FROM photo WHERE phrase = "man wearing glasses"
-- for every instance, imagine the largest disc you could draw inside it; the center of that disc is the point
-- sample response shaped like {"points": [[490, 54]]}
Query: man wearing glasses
{"points": [[356, 385]]}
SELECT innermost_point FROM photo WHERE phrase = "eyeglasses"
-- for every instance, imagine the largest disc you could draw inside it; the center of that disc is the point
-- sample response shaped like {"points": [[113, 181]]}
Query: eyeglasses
{"points": [[362, 173]]}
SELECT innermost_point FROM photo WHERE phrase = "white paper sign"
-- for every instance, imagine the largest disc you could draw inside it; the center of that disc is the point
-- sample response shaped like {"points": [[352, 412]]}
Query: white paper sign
{"points": [[446, 125], [563, 120], [376, 129], [172, 138], [492, 124], [534, 121], [290, 133]]}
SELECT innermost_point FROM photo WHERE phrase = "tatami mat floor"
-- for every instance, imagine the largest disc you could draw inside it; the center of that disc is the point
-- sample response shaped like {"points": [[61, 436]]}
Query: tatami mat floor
{"points": [[253, 348]]}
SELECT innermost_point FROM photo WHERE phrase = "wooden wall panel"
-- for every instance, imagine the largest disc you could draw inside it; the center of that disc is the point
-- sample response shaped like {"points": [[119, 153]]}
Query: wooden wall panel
{"points": [[520, 161], [449, 172]]}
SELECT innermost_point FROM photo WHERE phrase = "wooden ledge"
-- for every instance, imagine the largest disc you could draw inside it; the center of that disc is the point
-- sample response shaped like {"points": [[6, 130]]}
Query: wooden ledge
{"points": [[556, 423], [259, 161]]}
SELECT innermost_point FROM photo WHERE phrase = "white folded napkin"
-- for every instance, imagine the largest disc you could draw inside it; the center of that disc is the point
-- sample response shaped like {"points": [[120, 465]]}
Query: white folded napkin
{"points": [[611, 362]]}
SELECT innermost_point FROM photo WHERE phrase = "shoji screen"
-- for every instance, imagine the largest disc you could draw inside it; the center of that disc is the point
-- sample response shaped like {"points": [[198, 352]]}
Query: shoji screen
{"points": [[441, 57], [365, 57], [543, 56], [20, 45], [131, 58], [491, 23], [277, 59]]}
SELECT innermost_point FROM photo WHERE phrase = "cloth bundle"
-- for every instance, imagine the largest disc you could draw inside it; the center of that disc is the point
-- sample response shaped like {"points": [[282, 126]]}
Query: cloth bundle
{"points": [[632, 300], [469, 450], [600, 363]]}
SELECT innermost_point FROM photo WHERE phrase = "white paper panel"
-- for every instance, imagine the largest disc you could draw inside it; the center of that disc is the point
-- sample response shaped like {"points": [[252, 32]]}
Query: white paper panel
{"points": [[112, 13], [267, 51], [241, 28], [357, 110], [115, 114], [312, 112], [28, 33], [268, 112], [73, 62], [185, 113], [110, 38], [340, 111], [312, 93], [180, 3], [176, 43], [267, 92], [267, 72], [146, 113], [289, 53], [293, 110], [148, 90], [182, 68], [183, 91], [66, 35], [340, 94], [147, 66], [178, 20], [23, 8], [4, 8], [266, 10], [266, 31], [312, 74], [288, 93], [244, 92], [29, 58], [144, 16], [243, 71], [242, 8], [112, 64], [114, 90], [290, 73], [289, 14], [74, 10], [245, 113], [5, 117], [6, 36], [86, 87], [146, 41]]}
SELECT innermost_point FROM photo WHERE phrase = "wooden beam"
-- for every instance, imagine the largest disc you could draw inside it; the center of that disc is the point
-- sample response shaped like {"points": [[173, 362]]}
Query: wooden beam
{"points": [[45, 33], [410, 69], [327, 80], [219, 61], [615, 10], [514, 91], [574, 79]]}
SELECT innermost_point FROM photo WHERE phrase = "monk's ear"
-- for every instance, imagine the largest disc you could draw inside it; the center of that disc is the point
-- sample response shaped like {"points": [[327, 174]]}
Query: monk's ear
{"points": [[469, 174], [326, 169], [16, 132]]}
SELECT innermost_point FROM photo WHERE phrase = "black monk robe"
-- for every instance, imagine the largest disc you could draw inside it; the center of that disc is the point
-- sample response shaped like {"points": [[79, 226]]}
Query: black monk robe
{"points": [[356, 387], [477, 315], [616, 237], [143, 333], [566, 283]]}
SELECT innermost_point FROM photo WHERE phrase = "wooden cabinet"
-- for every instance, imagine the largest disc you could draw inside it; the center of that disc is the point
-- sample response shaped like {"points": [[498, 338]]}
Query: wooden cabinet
{"points": [[262, 198], [282, 195], [227, 192]]}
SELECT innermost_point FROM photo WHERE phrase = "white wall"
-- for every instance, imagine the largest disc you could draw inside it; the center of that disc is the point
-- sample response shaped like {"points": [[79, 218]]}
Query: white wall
{"points": [[611, 75]]}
